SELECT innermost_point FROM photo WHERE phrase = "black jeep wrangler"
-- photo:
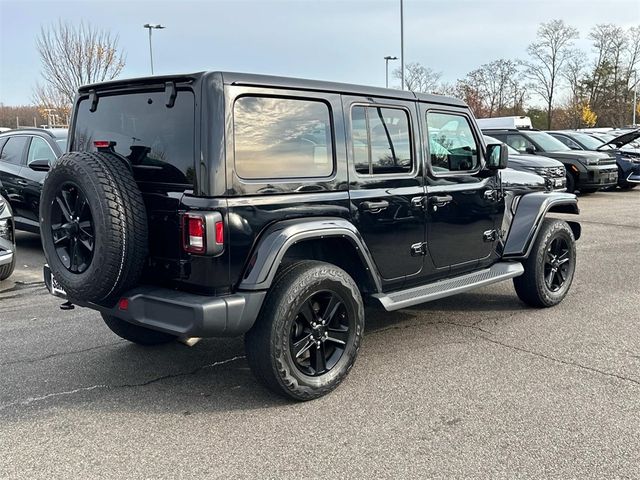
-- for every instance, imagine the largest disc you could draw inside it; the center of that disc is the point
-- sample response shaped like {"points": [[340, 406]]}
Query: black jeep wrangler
{"points": [[220, 204]]}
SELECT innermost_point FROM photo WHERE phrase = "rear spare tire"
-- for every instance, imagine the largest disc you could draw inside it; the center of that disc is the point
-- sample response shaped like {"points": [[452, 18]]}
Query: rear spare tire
{"points": [[93, 224]]}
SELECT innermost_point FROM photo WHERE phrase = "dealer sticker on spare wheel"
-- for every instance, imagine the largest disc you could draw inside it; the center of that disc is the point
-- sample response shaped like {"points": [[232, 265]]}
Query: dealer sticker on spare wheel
{"points": [[56, 288]]}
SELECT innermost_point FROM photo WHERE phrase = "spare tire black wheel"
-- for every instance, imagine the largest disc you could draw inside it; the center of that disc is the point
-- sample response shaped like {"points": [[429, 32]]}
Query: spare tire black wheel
{"points": [[93, 224]]}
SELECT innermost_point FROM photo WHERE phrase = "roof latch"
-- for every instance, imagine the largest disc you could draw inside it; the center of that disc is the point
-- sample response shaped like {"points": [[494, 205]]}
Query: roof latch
{"points": [[170, 88]]}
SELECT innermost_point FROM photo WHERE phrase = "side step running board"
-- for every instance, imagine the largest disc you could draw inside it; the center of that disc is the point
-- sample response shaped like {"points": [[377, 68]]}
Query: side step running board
{"points": [[450, 286]]}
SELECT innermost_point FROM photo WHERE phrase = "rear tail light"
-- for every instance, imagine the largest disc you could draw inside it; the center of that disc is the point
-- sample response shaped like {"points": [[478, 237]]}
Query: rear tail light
{"points": [[203, 233]]}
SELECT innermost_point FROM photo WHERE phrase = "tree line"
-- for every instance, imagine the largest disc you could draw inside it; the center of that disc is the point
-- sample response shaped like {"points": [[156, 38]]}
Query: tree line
{"points": [[576, 88]]}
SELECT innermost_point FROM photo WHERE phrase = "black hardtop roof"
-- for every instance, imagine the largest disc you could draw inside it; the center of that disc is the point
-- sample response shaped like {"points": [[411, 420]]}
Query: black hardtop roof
{"points": [[272, 81]]}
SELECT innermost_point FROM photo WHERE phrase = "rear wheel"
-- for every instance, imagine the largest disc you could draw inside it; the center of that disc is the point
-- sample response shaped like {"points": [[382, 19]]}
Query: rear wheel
{"points": [[136, 333], [307, 336], [549, 269]]}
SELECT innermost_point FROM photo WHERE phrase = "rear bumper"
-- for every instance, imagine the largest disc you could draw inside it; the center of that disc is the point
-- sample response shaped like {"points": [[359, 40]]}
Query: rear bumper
{"points": [[180, 313]]}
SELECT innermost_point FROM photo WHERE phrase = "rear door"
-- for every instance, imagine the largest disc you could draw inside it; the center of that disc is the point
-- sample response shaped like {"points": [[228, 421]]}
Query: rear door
{"points": [[11, 161], [385, 183], [463, 200], [158, 139], [39, 149]]}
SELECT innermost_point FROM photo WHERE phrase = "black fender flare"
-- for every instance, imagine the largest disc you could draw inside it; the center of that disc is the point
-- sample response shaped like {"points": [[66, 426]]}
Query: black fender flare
{"points": [[279, 237], [530, 210]]}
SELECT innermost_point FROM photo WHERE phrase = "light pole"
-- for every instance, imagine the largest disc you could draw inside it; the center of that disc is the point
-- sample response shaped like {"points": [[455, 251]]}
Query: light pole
{"points": [[151, 26], [635, 99], [386, 68], [401, 46]]}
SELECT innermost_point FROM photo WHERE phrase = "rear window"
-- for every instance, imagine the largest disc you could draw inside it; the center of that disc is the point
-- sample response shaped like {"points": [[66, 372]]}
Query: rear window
{"points": [[157, 140]]}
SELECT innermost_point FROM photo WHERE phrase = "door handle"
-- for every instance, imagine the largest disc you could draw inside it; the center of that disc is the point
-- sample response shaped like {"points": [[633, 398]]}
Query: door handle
{"points": [[418, 202], [22, 182], [440, 200], [374, 207]]}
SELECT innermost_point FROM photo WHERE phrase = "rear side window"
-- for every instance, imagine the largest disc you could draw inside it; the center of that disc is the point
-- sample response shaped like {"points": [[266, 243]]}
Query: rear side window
{"points": [[157, 140], [39, 149], [381, 140], [282, 138], [452, 146], [13, 150]]}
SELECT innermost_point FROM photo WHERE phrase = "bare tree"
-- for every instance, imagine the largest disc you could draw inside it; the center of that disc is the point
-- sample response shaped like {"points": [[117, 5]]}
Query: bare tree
{"points": [[73, 56], [494, 88], [418, 78], [549, 56]]}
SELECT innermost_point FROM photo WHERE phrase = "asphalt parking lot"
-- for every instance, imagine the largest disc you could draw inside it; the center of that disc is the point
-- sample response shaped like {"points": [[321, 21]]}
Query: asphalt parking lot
{"points": [[473, 386]]}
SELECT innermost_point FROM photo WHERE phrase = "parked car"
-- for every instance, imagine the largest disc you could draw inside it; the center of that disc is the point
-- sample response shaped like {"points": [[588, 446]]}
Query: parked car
{"points": [[25, 158], [281, 206], [551, 170], [619, 146], [7, 240], [587, 172]]}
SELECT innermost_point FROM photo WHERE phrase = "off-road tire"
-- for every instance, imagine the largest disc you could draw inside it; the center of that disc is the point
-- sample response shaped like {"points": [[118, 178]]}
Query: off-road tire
{"points": [[267, 343], [120, 225], [531, 286], [136, 333]]}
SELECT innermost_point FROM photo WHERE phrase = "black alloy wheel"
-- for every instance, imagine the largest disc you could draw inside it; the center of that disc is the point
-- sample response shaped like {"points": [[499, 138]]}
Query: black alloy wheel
{"points": [[557, 264], [319, 333], [72, 228]]}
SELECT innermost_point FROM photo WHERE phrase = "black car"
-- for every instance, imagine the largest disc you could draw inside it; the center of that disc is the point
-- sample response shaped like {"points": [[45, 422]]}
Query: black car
{"points": [[551, 170], [25, 157], [627, 159], [221, 204], [586, 171], [7, 240]]}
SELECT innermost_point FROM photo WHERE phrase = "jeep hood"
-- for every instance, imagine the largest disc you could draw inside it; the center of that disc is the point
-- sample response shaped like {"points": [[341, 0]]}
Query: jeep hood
{"points": [[621, 140], [580, 155], [523, 160]]}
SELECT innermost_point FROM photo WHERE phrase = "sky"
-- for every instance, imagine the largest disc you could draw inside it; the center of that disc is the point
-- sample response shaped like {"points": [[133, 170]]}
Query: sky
{"points": [[342, 41]]}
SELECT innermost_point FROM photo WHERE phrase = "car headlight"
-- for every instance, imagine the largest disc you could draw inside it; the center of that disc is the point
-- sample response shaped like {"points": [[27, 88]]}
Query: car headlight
{"points": [[592, 161]]}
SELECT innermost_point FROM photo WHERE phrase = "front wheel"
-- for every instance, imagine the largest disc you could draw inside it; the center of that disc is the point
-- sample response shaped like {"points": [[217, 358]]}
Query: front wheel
{"points": [[307, 336], [549, 269]]}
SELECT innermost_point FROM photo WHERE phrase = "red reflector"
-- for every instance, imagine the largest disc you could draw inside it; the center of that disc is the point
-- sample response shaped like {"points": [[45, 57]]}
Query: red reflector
{"points": [[219, 233], [102, 144], [123, 304]]}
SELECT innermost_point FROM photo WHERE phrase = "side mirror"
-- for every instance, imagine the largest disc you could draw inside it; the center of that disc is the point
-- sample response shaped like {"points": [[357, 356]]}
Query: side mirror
{"points": [[530, 150], [40, 165], [497, 156]]}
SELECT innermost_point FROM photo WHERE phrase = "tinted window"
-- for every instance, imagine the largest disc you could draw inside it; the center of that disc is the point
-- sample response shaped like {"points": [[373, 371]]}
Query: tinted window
{"points": [[568, 142], [519, 143], [547, 143], [452, 146], [13, 150], [39, 149], [381, 140], [157, 140], [282, 138]]}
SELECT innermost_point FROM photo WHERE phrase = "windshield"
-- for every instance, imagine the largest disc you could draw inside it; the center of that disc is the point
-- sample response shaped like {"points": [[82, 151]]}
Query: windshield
{"points": [[547, 142], [510, 149], [589, 142], [158, 141]]}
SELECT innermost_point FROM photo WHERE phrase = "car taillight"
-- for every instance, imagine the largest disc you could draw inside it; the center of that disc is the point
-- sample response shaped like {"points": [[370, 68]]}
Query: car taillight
{"points": [[195, 238], [203, 233]]}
